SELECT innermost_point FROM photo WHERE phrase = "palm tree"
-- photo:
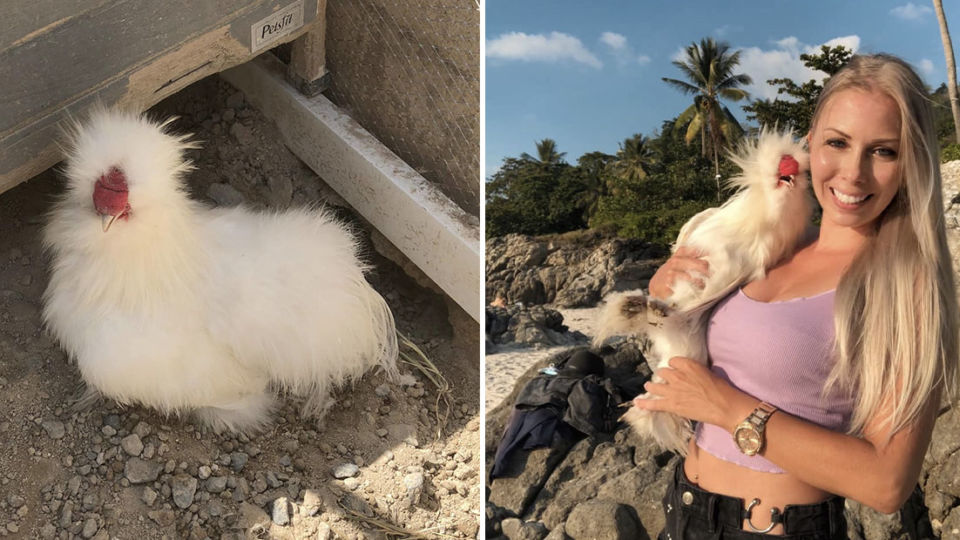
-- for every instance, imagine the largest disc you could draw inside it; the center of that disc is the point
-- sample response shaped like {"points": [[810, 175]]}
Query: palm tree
{"points": [[708, 68], [633, 158], [951, 66], [546, 153], [594, 167]]}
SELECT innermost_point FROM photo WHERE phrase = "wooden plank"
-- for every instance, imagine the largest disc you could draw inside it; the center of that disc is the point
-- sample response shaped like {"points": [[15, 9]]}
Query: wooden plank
{"points": [[308, 57], [23, 19], [432, 231], [32, 108]]}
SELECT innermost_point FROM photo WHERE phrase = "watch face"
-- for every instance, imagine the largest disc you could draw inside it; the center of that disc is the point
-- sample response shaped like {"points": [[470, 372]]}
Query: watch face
{"points": [[748, 440]]}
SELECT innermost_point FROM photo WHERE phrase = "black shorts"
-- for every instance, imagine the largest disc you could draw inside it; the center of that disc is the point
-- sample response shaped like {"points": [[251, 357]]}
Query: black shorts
{"points": [[695, 514]]}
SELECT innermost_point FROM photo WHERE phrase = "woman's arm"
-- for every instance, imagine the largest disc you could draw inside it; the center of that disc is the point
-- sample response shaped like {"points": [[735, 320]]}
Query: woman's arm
{"points": [[875, 470]]}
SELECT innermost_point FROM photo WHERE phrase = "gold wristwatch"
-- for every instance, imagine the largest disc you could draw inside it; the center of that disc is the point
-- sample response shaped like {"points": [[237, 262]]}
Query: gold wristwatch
{"points": [[748, 435]]}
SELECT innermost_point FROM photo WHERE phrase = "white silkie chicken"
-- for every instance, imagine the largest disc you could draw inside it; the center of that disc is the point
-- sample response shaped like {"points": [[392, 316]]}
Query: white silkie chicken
{"points": [[191, 310], [758, 226]]}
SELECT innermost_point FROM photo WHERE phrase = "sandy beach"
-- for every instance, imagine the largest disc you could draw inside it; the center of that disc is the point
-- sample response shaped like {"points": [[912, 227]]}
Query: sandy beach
{"points": [[506, 365]]}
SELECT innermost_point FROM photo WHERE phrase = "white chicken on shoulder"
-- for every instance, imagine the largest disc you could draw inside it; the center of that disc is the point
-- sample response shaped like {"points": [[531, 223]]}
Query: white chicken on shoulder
{"points": [[167, 303]]}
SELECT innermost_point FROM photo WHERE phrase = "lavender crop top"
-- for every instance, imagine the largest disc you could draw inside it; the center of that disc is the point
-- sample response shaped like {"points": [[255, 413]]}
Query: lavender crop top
{"points": [[778, 352]]}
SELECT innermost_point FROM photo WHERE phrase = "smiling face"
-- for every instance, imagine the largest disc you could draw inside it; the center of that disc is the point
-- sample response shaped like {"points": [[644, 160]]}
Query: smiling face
{"points": [[854, 157]]}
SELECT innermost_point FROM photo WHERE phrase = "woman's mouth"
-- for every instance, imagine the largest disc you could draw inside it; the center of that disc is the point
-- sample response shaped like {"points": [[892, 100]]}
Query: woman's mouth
{"points": [[846, 200]]}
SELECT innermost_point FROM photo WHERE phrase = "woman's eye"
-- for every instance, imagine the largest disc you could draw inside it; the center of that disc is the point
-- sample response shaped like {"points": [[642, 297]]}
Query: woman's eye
{"points": [[837, 143], [885, 152]]}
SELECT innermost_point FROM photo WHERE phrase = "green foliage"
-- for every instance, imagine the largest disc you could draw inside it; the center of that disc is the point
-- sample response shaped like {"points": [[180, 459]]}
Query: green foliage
{"points": [[951, 152], [796, 111], [943, 118], [532, 198]]}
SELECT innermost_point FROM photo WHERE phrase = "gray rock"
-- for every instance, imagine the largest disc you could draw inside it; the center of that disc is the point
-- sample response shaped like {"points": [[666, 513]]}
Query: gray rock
{"points": [[216, 484], [243, 134], [48, 531], [204, 472], [131, 444], [224, 194], [511, 527], [238, 460], [280, 514], [148, 496], [602, 520], [16, 501], [90, 528], [182, 489], [139, 471], [54, 428], [413, 484], [235, 100], [345, 470]]}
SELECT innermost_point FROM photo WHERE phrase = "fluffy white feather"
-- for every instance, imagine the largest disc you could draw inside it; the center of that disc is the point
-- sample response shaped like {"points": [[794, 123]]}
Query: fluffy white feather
{"points": [[755, 228], [195, 310]]}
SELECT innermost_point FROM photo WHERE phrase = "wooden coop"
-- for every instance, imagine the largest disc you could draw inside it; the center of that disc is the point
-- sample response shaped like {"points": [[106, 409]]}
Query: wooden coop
{"points": [[406, 157]]}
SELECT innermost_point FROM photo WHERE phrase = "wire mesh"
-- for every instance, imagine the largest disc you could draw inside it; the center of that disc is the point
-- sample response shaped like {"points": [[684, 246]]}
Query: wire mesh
{"points": [[409, 72]]}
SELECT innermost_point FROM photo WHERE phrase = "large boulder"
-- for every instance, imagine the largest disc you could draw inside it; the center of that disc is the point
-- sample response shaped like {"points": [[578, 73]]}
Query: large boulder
{"points": [[529, 325], [576, 271]]}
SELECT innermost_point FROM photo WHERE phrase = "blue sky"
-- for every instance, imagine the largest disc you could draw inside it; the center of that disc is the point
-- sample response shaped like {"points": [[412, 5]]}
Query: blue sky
{"points": [[587, 74]]}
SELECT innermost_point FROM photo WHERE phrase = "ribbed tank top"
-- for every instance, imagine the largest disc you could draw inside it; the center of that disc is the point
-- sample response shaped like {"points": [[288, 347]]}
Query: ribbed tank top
{"points": [[778, 352]]}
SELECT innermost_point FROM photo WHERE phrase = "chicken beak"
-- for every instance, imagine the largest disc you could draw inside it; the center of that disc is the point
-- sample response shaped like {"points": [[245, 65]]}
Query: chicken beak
{"points": [[107, 220], [786, 179]]}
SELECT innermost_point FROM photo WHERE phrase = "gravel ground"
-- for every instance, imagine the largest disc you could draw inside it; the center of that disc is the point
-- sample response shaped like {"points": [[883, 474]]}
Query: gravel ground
{"points": [[115, 472]]}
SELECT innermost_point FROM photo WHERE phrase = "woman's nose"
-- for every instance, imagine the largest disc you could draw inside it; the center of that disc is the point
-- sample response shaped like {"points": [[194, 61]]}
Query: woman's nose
{"points": [[853, 167]]}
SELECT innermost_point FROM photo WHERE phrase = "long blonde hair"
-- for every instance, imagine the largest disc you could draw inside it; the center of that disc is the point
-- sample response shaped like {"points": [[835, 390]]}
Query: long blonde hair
{"points": [[896, 305]]}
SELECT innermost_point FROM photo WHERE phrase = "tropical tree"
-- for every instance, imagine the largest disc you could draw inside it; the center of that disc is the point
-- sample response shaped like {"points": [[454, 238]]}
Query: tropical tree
{"points": [[708, 68], [546, 154], [796, 112], [594, 169], [633, 158], [951, 66]]}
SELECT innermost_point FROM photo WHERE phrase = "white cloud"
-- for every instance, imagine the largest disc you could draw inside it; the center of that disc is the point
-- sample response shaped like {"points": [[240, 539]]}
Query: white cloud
{"points": [[555, 47], [726, 29], [614, 40], [926, 66], [622, 51], [911, 11], [783, 61]]}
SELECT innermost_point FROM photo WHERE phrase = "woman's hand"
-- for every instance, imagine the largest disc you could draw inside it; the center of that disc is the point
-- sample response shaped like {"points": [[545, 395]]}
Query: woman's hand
{"points": [[684, 264], [692, 391]]}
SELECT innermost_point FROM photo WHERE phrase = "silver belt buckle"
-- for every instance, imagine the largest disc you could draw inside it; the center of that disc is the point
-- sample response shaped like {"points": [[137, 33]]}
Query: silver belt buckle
{"points": [[774, 517]]}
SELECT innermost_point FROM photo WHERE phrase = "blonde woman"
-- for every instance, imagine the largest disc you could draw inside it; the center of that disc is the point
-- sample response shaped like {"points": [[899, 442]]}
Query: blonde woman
{"points": [[826, 375]]}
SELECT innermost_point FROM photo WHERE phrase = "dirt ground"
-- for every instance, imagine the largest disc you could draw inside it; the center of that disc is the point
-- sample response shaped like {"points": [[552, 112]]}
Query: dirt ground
{"points": [[374, 464]]}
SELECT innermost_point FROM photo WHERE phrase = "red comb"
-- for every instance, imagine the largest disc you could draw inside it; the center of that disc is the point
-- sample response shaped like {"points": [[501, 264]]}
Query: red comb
{"points": [[788, 166], [110, 193]]}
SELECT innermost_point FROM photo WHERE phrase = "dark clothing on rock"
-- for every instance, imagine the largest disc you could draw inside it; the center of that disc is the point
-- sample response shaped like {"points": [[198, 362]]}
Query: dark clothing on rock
{"points": [[569, 404], [696, 514]]}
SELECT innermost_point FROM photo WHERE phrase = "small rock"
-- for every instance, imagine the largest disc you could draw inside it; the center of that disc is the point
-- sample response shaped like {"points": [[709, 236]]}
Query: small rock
{"points": [[324, 532], [108, 430], [90, 528], [351, 483], [382, 390], [413, 483], [243, 134], [281, 511], [13, 527], [224, 194], [48, 531], [345, 470], [204, 472], [142, 429], [183, 488], [132, 444], [216, 484], [149, 496], [312, 503], [164, 518], [54, 428], [238, 461], [139, 471], [16, 501]]}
